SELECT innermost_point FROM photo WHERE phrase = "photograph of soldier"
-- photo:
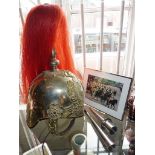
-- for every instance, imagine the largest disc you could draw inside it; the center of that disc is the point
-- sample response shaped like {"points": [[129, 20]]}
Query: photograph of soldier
{"points": [[103, 91]]}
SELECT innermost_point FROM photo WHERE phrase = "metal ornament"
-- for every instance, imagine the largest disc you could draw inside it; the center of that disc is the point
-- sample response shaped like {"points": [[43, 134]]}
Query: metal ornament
{"points": [[105, 123], [106, 141], [54, 95]]}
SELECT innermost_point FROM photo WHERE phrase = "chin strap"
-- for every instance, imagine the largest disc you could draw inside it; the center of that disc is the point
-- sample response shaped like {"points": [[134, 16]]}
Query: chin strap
{"points": [[53, 127]]}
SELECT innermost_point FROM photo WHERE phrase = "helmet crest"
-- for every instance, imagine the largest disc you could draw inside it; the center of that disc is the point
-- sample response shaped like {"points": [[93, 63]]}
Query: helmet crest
{"points": [[45, 29]]}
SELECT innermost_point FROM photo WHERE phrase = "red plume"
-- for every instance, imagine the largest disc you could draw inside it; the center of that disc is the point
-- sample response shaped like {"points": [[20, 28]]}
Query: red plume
{"points": [[45, 28]]}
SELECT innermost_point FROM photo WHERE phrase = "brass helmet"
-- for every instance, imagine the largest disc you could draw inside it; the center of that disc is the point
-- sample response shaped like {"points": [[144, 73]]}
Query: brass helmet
{"points": [[54, 95]]}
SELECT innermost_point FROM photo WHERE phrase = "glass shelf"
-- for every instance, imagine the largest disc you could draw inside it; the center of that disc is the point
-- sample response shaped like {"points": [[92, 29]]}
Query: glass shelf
{"points": [[92, 146]]}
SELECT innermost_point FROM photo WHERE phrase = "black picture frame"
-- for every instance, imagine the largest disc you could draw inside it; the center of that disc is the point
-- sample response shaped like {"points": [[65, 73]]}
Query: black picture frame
{"points": [[106, 92]]}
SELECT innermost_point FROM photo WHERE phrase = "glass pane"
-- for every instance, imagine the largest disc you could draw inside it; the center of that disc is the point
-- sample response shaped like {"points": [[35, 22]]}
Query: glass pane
{"points": [[92, 22], [92, 31]]}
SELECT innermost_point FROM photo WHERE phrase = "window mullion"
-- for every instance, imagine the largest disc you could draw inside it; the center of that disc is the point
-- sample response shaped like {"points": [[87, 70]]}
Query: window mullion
{"points": [[102, 36], [120, 37], [83, 35]]}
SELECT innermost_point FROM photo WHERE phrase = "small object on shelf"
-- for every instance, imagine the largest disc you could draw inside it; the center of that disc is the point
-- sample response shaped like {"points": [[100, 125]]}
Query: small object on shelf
{"points": [[106, 141], [105, 123], [77, 141], [131, 108], [131, 150], [130, 135]]}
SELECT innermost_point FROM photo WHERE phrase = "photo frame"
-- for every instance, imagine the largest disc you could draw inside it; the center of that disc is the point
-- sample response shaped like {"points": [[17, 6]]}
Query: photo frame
{"points": [[106, 92]]}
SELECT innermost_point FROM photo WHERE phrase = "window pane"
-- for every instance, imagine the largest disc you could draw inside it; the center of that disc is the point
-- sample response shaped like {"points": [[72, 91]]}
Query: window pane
{"points": [[92, 22], [92, 31]]}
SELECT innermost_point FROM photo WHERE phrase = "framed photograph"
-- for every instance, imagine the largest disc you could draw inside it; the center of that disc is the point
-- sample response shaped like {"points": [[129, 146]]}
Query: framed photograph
{"points": [[106, 92]]}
